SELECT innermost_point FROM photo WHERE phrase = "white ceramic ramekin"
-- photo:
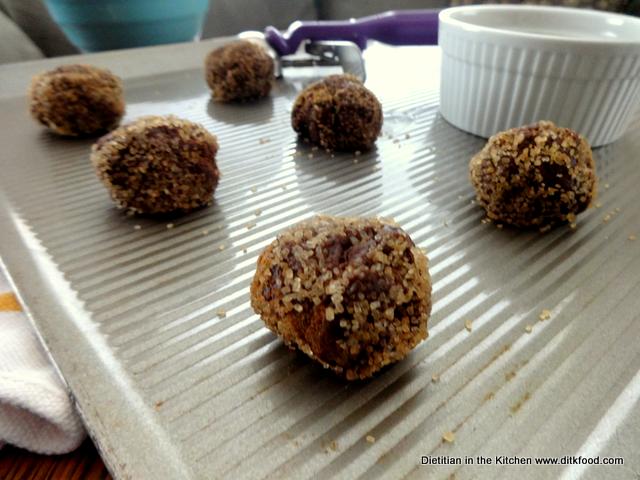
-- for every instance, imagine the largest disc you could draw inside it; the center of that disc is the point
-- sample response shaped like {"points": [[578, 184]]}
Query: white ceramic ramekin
{"points": [[507, 66]]}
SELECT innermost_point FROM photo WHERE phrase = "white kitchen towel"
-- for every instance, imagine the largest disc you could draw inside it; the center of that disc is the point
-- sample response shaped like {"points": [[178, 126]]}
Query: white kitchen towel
{"points": [[36, 412]]}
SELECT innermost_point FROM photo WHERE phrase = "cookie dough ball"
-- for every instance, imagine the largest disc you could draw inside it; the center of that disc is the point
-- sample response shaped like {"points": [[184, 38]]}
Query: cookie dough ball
{"points": [[338, 113], [352, 293], [534, 176], [77, 100], [158, 165], [238, 71]]}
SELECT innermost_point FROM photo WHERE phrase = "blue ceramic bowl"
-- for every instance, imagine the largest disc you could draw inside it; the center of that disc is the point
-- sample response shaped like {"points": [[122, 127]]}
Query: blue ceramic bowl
{"points": [[94, 25]]}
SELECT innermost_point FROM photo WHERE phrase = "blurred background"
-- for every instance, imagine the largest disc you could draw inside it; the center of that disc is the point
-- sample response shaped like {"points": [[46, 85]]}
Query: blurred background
{"points": [[32, 29]]}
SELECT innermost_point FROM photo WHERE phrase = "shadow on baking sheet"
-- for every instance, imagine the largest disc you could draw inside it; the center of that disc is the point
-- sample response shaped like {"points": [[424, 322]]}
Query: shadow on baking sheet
{"points": [[257, 112], [355, 178]]}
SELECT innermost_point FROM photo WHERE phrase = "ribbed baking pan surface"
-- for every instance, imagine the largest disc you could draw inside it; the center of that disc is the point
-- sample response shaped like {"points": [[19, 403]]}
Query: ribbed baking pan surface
{"points": [[150, 324]]}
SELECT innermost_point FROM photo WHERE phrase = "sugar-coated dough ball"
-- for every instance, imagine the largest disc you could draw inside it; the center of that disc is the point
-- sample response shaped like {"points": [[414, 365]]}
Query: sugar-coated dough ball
{"points": [[158, 165], [241, 70], [77, 100], [338, 113], [352, 293], [534, 176]]}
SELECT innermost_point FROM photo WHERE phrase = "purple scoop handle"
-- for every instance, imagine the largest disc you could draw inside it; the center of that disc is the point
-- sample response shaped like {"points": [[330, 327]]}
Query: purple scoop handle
{"points": [[402, 27]]}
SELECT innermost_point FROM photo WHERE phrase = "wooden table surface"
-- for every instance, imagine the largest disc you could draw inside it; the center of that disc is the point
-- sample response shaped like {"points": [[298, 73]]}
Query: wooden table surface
{"points": [[82, 464]]}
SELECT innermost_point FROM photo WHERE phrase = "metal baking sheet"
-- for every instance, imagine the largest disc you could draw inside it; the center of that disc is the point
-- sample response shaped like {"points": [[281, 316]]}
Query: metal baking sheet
{"points": [[176, 377]]}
